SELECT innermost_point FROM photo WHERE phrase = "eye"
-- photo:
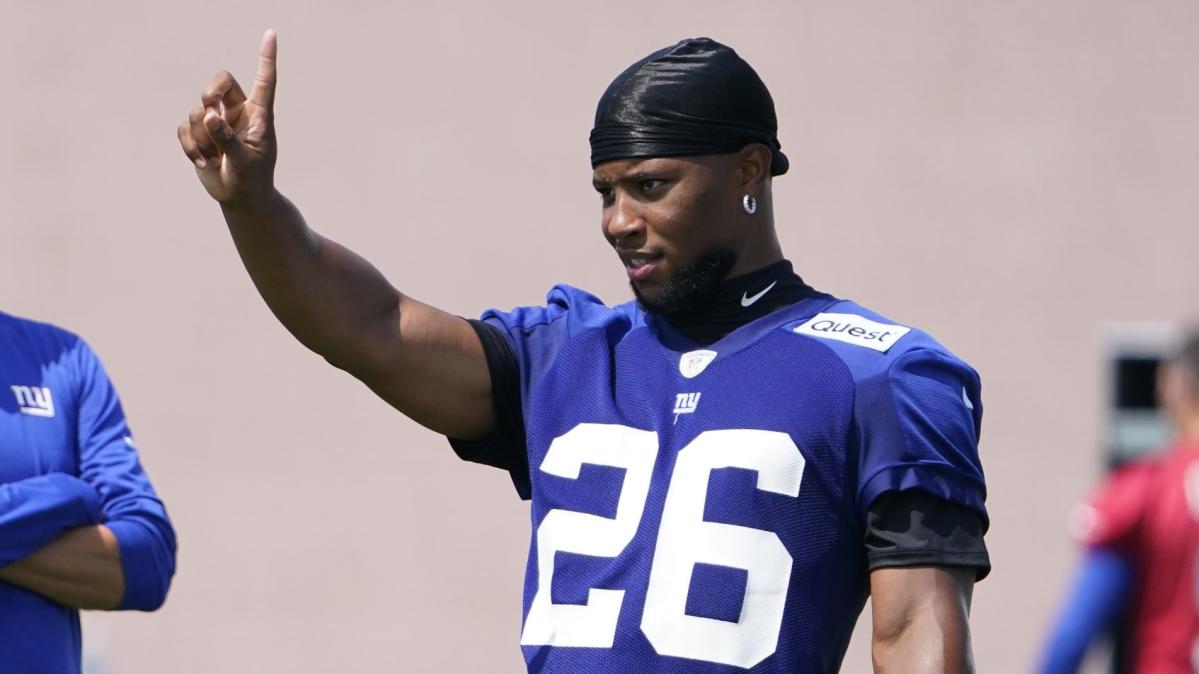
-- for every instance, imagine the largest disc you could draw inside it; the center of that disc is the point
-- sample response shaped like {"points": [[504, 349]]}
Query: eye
{"points": [[605, 194], [651, 184]]}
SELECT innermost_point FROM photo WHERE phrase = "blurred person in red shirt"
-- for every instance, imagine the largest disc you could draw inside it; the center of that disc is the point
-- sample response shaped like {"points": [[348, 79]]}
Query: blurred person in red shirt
{"points": [[1141, 533]]}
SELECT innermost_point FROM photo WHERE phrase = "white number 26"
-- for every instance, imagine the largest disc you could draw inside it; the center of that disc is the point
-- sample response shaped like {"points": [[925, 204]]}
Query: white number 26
{"points": [[684, 539]]}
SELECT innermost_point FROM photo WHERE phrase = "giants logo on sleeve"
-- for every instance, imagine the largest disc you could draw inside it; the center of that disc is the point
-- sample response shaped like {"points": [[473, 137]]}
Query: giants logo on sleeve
{"points": [[854, 329]]}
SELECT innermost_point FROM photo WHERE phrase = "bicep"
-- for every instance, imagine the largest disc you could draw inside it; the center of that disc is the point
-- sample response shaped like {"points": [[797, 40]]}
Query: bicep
{"points": [[920, 616], [430, 365], [899, 593]]}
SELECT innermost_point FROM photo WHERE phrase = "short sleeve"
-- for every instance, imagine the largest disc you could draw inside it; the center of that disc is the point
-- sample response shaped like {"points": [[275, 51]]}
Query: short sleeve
{"points": [[914, 528], [505, 448], [519, 344], [1110, 517], [537, 333], [918, 425]]}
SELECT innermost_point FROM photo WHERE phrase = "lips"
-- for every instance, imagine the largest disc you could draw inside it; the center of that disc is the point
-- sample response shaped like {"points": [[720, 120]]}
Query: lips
{"points": [[639, 265]]}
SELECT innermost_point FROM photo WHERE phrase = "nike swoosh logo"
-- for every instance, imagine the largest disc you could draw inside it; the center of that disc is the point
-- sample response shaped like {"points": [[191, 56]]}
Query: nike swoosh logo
{"points": [[746, 300]]}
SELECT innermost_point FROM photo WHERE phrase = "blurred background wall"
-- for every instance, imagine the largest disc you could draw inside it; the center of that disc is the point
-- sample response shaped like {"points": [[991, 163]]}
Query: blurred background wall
{"points": [[1007, 175]]}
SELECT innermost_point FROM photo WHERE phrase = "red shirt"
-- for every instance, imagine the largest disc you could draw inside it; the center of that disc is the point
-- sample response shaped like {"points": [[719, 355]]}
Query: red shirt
{"points": [[1150, 512]]}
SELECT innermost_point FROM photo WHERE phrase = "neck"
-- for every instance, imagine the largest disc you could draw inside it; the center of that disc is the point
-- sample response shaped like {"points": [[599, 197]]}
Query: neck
{"points": [[742, 298], [752, 259]]}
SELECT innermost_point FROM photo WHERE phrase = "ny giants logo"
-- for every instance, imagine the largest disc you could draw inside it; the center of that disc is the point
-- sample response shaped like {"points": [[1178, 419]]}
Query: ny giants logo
{"points": [[34, 400], [685, 403]]}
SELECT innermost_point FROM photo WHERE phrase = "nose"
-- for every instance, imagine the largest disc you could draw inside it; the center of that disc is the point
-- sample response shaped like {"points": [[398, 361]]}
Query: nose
{"points": [[623, 219]]}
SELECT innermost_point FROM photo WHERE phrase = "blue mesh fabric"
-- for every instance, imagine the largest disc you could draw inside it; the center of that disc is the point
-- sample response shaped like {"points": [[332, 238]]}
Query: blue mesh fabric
{"points": [[864, 421]]}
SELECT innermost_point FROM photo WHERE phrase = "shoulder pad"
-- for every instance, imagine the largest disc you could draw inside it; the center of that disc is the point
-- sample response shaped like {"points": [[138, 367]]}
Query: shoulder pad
{"points": [[867, 342]]}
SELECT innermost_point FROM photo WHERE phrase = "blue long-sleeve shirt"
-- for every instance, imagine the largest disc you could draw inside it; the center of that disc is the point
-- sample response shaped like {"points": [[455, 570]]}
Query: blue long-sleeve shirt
{"points": [[1100, 590], [67, 460]]}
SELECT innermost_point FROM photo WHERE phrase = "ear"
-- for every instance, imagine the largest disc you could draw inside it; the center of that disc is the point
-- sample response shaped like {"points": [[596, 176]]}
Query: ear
{"points": [[753, 167]]}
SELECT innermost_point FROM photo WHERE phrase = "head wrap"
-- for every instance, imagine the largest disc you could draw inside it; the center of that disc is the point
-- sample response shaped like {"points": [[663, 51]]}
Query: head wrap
{"points": [[694, 98]]}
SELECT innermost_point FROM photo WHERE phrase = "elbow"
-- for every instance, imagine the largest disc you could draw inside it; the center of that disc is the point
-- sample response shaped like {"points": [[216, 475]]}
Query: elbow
{"points": [[361, 344], [107, 598], [147, 593], [152, 602], [147, 564], [344, 361], [365, 356]]}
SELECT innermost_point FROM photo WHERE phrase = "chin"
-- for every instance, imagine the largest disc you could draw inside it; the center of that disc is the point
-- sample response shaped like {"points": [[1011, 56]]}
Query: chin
{"points": [[648, 298], [647, 289], [686, 290]]}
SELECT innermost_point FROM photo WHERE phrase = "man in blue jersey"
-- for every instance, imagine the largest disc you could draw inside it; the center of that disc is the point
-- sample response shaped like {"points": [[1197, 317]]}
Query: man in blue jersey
{"points": [[720, 472], [80, 525]]}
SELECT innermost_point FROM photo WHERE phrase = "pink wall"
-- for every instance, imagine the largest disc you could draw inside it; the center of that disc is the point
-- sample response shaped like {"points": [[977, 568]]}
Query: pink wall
{"points": [[1009, 176]]}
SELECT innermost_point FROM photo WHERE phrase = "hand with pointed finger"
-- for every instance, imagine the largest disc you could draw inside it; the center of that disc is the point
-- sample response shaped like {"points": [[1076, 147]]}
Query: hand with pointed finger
{"points": [[231, 139]]}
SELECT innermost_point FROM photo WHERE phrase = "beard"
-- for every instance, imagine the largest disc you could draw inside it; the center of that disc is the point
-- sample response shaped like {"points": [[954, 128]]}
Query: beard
{"points": [[691, 288]]}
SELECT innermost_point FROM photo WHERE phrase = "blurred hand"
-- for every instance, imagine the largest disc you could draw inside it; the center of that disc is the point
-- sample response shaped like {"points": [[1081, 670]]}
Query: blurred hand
{"points": [[231, 139]]}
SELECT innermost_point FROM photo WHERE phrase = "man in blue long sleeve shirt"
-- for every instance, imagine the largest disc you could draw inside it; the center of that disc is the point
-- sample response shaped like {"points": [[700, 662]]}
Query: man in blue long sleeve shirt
{"points": [[80, 524]]}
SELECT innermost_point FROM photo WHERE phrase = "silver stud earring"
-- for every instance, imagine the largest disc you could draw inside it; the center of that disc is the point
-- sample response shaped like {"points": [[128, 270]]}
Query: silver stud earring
{"points": [[750, 204]]}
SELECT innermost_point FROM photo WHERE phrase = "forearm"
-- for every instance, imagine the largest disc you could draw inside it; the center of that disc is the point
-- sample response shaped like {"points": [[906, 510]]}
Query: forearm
{"points": [[427, 363], [81, 568], [36, 510], [332, 300]]}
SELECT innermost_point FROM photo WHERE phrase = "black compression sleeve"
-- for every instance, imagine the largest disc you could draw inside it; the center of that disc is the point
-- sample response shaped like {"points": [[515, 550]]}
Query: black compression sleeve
{"points": [[915, 528], [505, 448]]}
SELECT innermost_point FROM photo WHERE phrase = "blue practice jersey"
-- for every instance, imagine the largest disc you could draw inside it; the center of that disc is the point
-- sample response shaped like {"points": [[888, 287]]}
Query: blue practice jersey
{"points": [[701, 509], [67, 460]]}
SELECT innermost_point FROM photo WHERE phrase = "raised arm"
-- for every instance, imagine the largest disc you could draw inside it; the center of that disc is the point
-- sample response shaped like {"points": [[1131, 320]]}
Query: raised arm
{"points": [[921, 620], [426, 363]]}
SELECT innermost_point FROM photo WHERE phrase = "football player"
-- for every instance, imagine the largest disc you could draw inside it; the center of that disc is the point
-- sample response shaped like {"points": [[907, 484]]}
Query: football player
{"points": [[1141, 533], [80, 524], [721, 471]]}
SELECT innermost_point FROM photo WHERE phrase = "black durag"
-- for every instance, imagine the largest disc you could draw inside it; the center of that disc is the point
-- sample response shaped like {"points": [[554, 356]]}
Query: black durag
{"points": [[697, 97]]}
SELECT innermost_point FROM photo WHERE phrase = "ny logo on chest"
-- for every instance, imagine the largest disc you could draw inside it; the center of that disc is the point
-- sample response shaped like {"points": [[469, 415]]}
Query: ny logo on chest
{"points": [[685, 403], [691, 364], [34, 400]]}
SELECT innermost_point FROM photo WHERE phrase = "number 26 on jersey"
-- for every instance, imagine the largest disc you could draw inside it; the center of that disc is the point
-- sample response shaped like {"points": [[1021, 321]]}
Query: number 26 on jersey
{"points": [[684, 539]]}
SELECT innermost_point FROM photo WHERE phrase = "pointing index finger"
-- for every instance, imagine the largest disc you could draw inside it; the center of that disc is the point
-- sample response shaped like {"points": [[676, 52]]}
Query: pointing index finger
{"points": [[263, 93]]}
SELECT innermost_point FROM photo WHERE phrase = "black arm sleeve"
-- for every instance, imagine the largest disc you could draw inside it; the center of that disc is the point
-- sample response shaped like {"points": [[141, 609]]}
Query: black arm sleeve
{"points": [[505, 448], [915, 528]]}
